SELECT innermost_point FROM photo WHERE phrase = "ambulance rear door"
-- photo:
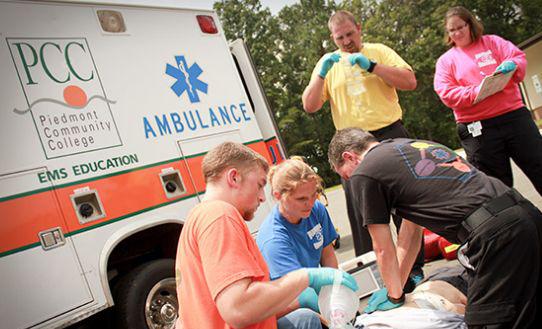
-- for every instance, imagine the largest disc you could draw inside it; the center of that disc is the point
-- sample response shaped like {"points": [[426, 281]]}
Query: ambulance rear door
{"points": [[41, 277], [258, 100]]}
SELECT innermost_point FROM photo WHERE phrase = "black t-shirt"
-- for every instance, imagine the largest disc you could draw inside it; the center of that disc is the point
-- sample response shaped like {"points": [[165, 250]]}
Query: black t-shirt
{"points": [[421, 181]]}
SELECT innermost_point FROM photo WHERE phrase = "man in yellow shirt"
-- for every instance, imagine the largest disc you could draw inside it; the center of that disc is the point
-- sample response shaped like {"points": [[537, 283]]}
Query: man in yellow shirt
{"points": [[360, 81]]}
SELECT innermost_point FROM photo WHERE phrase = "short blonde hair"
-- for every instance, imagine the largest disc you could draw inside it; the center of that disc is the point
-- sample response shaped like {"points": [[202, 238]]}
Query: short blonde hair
{"points": [[341, 16], [286, 176], [231, 155]]}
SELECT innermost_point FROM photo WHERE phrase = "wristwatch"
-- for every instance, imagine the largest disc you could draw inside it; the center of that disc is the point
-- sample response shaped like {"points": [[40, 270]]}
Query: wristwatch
{"points": [[399, 300], [371, 66]]}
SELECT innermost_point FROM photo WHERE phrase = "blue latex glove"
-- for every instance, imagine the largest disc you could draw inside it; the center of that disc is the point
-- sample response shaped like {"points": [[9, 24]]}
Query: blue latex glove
{"points": [[360, 59], [379, 302], [327, 63], [505, 67], [309, 299], [323, 276], [378, 297], [384, 306]]}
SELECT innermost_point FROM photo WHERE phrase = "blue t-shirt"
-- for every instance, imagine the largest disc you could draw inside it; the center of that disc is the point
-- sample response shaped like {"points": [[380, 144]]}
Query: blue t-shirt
{"points": [[287, 247]]}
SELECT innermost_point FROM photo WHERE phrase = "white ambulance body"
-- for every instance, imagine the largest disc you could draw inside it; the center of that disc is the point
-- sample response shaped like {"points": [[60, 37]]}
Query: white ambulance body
{"points": [[106, 113]]}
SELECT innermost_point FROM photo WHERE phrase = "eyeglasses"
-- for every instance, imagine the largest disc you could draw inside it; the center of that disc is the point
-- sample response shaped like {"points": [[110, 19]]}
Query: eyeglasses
{"points": [[457, 29]]}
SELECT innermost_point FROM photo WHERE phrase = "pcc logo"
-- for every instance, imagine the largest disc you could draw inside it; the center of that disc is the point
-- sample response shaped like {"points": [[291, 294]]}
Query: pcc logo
{"points": [[64, 95]]}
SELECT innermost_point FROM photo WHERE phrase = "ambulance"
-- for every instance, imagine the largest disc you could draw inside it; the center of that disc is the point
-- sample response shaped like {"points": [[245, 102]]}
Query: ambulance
{"points": [[106, 112]]}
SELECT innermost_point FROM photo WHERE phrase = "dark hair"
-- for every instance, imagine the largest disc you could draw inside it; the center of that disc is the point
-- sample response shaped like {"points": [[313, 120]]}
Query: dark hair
{"points": [[476, 28], [349, 139]]}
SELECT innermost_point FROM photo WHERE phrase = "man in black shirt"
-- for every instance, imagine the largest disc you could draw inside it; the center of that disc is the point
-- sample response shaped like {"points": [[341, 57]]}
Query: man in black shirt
{"points": [[429, 185]]}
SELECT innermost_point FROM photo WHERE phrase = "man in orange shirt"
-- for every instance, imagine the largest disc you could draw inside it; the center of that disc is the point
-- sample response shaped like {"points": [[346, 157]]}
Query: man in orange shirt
{"points": [[222, 278]]}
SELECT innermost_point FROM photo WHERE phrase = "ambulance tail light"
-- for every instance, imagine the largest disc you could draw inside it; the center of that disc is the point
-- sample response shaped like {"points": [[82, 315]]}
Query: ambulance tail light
{"points": [[207, 24]]}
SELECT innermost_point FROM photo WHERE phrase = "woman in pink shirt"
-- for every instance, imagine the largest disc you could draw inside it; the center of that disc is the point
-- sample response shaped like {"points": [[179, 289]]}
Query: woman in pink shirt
{"points": [[498, 127]]}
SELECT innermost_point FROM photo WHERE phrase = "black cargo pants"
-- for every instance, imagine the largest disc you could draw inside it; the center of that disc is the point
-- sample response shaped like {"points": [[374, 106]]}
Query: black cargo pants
{"points": [[504, 253], [513, 135]]}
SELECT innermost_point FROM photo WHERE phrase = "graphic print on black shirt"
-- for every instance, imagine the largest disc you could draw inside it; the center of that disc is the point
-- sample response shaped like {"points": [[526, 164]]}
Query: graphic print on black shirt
{"points": [[425, 163], [422, 181]]}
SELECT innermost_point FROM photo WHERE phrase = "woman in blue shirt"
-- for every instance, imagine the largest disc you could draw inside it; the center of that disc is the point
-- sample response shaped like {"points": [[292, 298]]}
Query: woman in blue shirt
{"points": [[298, 232]]}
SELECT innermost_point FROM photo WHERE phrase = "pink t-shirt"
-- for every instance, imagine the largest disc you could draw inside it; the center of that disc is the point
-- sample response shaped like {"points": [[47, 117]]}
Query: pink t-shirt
{"points": [[460, 71], [215, 250]]}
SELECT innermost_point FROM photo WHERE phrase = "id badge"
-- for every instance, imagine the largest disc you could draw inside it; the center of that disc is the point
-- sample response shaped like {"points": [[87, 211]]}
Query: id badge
{"points": [[475, 128]]}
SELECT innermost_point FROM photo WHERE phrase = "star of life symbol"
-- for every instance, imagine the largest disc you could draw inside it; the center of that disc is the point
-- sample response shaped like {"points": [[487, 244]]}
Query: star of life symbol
{"points": [[187, 79]]}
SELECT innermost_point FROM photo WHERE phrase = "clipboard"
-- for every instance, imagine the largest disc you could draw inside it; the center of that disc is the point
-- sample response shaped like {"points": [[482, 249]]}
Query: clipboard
{"points": [[493, 84]]}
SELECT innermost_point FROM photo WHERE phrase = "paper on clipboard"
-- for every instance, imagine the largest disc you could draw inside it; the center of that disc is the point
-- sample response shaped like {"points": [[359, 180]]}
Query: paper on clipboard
{"points": [[493, 84]]}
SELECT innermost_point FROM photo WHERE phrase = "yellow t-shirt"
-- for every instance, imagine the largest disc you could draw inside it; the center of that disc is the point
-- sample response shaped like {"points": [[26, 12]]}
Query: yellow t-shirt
{"points": [[377, 106]]}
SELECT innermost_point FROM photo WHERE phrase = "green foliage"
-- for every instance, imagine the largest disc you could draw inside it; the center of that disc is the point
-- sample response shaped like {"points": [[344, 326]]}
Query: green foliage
{"points": [[286, 47], [304, 39], [247, 20], [414, 30], [512, 20]]}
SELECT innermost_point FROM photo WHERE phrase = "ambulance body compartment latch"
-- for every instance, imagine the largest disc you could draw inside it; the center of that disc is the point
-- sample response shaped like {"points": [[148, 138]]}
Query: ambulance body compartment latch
{"points": [[51, 238]]}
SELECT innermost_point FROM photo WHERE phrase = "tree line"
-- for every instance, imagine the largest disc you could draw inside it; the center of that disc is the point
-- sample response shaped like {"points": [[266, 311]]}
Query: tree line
{"points": [[286, 46]]}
